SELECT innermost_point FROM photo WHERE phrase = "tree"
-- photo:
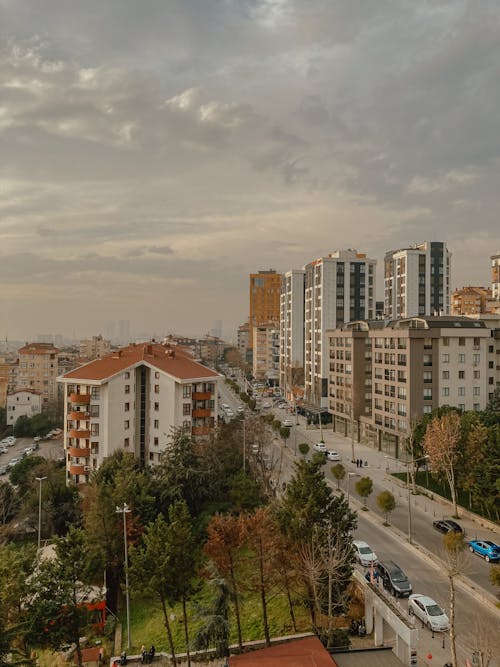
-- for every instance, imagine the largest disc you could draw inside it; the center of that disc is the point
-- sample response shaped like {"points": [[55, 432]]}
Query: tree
{"points": [[455, 558], [364, 487], [494, 402], [441, 441], [285, 433], [214, 630], [9, 503], [226, 535], [387, 503], [338, 472], [304, 448], [56, 615], [150, 570], [244, 493]]}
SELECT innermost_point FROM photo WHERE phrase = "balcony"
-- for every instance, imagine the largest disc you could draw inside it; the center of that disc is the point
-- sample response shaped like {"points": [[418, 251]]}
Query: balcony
{"points": [[201, 395], [76, 452], [79, 416], [201, 430], [79, 399], [78, 470], [77, 433], [201, 412]]}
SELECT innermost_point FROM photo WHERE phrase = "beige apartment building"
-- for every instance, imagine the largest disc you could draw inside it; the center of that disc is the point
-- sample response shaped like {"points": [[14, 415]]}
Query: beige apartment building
{"points": [[94, 347], [384, 376], [131, 400], [266, 354], [38, 368], [264, 300], [471, 300]]}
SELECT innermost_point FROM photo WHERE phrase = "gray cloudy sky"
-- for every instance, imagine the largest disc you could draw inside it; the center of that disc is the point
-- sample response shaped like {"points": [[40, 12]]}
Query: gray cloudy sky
{"points": [[155, 152]]}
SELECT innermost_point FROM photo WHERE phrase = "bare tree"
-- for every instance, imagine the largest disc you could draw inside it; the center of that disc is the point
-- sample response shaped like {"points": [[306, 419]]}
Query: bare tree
{"points": [[441, 442], [455, 557], [486, 643]]}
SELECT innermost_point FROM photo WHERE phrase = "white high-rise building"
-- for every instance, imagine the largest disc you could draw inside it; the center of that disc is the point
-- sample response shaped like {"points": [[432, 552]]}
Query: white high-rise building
{"points": [[417, 281], [292, 331], [495, 277], [339, 288]]}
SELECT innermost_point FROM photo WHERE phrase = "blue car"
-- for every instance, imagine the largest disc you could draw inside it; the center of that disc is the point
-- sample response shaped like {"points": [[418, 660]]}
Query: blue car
{"points": [[488, 550]]}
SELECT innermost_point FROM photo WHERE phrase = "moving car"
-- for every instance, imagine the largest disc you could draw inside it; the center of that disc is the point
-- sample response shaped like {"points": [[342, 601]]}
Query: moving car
{"points": [[485, 548], [319, 447], [394, 579], [364, 553], [429, 612], [287, 422], [447, 526], [332, 455]]}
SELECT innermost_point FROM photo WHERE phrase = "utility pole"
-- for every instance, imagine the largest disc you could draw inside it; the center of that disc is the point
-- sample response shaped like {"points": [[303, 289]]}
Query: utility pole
{"points": [[40, 480], [125, 510], [244, 445]]}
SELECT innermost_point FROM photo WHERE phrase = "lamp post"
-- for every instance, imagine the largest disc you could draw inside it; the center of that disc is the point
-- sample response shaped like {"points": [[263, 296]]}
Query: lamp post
{"points": [[40, 480], [408, 463], [125, 510], [349, 475], [244, 445]]}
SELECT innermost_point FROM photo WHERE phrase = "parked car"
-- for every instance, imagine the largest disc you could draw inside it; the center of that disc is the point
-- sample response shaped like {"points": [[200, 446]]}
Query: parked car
{"points": [[37, 438], [447, 526], [319, 447], [240, 409], [485, 548], [13, 462], [287, 422], [332, 455], [429, 612], [3, 450], [394, 579], [3, 470], [364, 553]]}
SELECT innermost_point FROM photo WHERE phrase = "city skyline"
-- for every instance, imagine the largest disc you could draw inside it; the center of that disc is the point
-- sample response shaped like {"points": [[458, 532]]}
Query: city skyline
{"points": [[154, 155]]}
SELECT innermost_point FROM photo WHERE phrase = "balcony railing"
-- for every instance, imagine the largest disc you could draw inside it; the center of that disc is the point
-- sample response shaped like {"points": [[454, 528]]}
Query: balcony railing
{"points": [[79, 399], [201, 412], [79, 416], [78, 470], [82, 452], [79, 433], [201, 430], [201, 395]]}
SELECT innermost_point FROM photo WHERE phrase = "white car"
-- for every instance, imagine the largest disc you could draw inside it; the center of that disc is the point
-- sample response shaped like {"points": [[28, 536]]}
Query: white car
{"points": [[240, 409], [319, 447], [287, 422], [332, 455], [429, 612], [364, 553]]}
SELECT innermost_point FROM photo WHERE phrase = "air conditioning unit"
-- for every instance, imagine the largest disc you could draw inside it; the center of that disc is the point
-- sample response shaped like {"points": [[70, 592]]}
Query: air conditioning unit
{"points": [[86, 468]]}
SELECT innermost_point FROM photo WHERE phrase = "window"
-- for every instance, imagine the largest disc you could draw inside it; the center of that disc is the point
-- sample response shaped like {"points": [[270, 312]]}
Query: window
{"points": [[157, 407], [186, 424], [427, 394], [157, 388], [95, 393], [127, 389], [156, 442], [476, 391], [461, 358], [186, 408], [186, 391], [477, 375], [126, 424], [476, 407], [94, 429], [127, 407], [461, 341], [446, 341], [461, 375], [127, 375], [461, 406], [157, 375], [446, 358], [476, 358], [427, 376], [446, 375], [461, 391], [156, 423], [446, 391], [126, 442], [94, 411], [427, 409]]}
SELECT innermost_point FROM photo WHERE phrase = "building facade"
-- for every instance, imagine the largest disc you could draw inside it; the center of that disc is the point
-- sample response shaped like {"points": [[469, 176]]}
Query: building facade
{"points": [[495, 277], [417, 281], [338, 288], [243, 341], [470, 300], [266, 354], [94, 347], [38, 369], [383, 378], [291, 372], [264, 299], [23, 403], [131, 400]]}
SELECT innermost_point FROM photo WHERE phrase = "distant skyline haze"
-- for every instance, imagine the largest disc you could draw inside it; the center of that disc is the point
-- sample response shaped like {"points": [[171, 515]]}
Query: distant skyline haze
{"points": [[154, 154]]}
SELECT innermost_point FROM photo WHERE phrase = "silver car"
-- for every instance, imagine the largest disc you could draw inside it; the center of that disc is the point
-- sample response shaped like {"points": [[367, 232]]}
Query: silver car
{"points": [[429, 612]]}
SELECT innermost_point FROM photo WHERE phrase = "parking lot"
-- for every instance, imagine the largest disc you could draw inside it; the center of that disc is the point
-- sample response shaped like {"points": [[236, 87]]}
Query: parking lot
{"points": [[49, 449]]}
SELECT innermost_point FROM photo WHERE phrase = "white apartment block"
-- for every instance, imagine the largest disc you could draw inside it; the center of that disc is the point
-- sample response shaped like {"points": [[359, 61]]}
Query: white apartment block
{"points": [[495, 277], [339, 288], [417, 281], [23, 403], [38, 367], [131, 400], [292, 331], [266, 353]]}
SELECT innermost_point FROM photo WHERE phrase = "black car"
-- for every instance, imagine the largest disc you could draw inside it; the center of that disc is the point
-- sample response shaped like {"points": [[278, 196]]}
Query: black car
{"points": [[447, 526], [394, 579]]}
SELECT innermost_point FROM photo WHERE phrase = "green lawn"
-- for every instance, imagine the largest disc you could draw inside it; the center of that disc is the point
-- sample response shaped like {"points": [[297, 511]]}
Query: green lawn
{"points": [[147, 624]]}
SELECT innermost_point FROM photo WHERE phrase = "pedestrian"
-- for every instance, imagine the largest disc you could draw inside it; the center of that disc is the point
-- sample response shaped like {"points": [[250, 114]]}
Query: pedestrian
{"points": [[152, 652], [144, 655], [357, 463]]}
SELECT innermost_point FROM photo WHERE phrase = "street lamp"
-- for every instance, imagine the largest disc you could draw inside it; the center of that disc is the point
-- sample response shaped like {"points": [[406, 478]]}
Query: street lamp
{"points": [[349, 475], [408, 463], [244, 445], [40, 480], [125, 510]]}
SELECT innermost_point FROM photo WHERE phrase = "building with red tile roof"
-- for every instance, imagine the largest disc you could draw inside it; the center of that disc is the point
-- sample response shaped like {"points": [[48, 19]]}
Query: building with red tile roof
{"points": [[305, 652], [131, 400]]}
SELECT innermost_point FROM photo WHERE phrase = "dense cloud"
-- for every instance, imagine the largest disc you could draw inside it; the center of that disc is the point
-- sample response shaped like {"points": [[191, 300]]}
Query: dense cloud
{"points": [[155, 153]]}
